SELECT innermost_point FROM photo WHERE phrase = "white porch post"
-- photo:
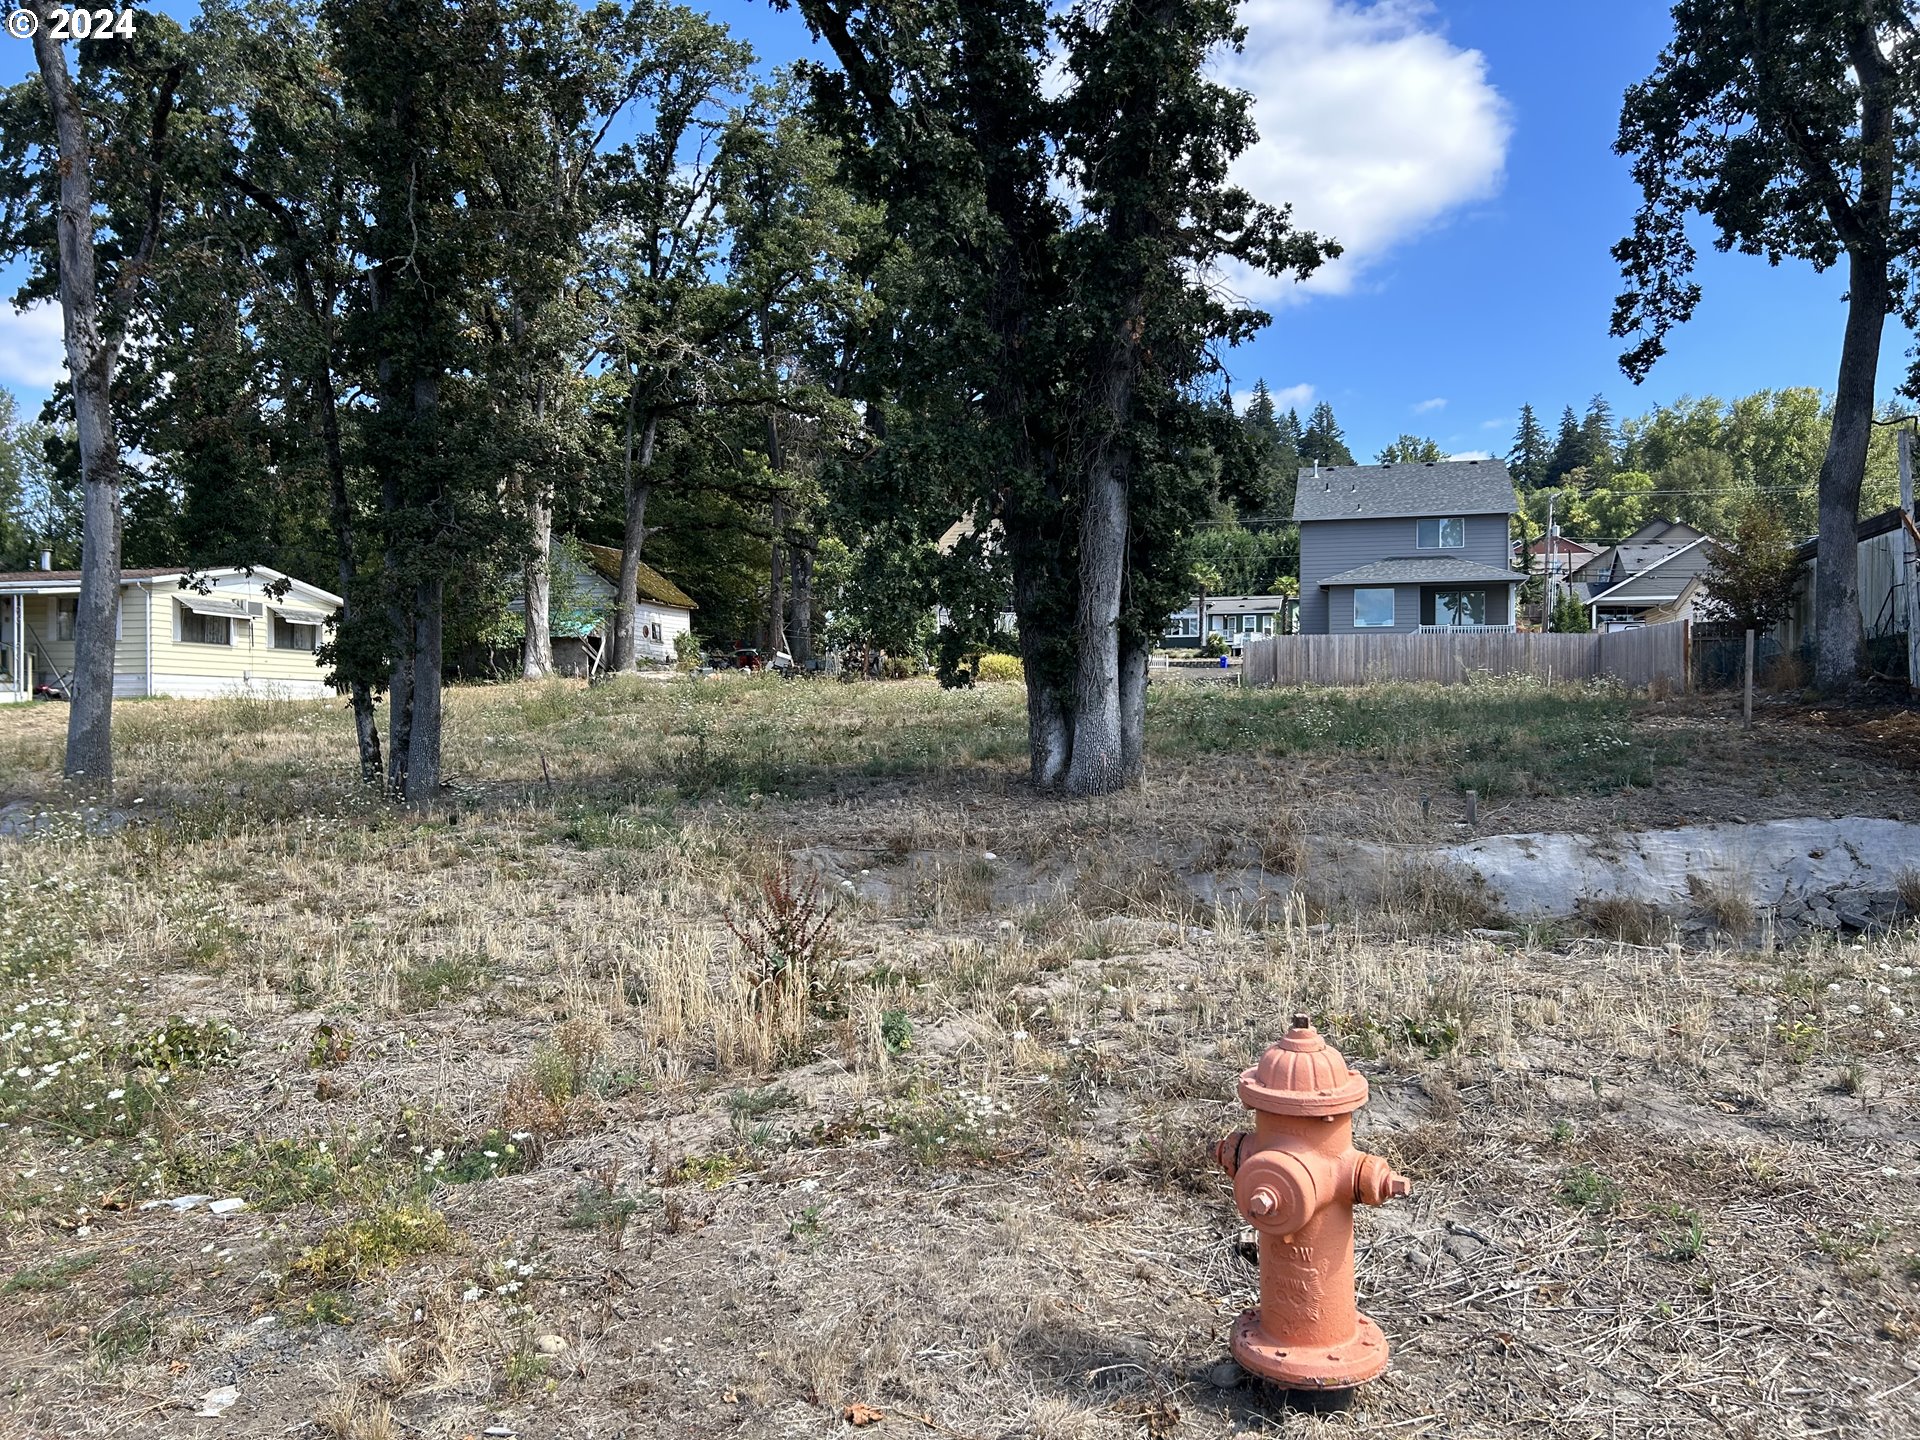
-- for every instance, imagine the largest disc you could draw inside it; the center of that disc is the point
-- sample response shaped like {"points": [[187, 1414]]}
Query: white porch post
{"points": [[18, 626]]}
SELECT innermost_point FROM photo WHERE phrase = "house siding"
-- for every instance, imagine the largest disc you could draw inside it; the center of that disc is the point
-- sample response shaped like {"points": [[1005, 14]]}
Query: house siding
{"points": [[1406, 611], [149, 627], [1331, 547], [597, 592]]}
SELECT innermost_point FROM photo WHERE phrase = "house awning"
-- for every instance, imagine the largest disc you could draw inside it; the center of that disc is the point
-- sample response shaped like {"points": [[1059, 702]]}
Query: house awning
{"points": [[207, 605], [299, 614]]}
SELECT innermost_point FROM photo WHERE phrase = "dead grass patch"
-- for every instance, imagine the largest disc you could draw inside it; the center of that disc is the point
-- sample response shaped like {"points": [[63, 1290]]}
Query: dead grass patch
{"points": [[1624, 918]]}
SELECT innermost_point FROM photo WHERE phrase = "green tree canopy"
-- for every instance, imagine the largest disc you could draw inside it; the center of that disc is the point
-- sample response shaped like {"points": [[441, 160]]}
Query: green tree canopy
{"points": [[1410, 450]]}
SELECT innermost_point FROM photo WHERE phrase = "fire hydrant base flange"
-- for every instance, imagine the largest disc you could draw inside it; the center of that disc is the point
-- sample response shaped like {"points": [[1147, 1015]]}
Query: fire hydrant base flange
{"points": [[1338, 1367]]}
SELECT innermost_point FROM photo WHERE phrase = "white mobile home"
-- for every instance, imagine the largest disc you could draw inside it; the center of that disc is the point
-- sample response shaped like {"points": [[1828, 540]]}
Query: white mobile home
{"points": [[182, 633]]}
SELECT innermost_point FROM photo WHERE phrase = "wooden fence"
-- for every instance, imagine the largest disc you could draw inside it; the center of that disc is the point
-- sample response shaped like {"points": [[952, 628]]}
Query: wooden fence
{"points": [[1635, 658]]}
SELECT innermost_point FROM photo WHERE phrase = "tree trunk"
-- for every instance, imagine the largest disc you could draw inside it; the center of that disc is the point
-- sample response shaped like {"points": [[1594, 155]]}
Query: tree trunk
{"points": [[626, 614], [90, 361], [1836, 599], [776, 626], [800, 558], [1134, 657], [1097, 766], [1050, 733], [400, 697], [422, 783], [1034, 550], [536, 656], [366, 732]]}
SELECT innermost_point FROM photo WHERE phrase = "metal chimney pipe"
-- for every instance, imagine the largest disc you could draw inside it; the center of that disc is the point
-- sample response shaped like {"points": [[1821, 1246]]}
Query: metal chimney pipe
{"points": [[46, 559]]}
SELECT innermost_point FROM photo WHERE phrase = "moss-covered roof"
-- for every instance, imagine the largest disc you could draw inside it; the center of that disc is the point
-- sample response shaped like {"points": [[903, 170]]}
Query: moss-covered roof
{"points": [[653, 586]]}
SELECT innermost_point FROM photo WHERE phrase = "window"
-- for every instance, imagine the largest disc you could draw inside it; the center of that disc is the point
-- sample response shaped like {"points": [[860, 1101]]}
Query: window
{"points": [[1442, 534], [1460, 607], [290, 635], [198, 629], [1373, 609], [66, 618]]}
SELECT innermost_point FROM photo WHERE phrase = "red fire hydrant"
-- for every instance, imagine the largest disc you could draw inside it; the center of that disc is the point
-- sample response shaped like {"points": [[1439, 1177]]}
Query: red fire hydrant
{"points": [[1296, 1179]]}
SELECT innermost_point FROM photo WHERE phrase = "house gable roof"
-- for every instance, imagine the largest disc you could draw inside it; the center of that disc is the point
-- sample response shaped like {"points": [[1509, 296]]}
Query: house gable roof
{"points": [[653, 586], [1680, 573], [1387, 492]]}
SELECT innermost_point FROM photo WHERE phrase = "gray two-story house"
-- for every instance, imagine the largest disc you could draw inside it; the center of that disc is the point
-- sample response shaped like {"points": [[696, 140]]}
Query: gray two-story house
{"points": [[1406, 547]]}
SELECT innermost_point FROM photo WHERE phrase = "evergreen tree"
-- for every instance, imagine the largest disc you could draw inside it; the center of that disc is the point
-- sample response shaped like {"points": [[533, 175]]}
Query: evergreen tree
{"points": [[1276, 452], [1292, 434], [1568, 452], [1261, 419], [1529, 458], [1323, 442], [1598, 442], [1412, 450]]}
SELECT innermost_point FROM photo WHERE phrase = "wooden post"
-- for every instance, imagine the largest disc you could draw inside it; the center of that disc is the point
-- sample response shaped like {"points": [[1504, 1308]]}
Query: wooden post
{"points": [[1746, 707], [1473, 807], [1909, 578]]}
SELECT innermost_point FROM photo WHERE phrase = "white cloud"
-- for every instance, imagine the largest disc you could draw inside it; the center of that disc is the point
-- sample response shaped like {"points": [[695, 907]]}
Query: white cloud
{"points": [[1427, 407], [33, 350], [1372, 126], [1470, 455]]}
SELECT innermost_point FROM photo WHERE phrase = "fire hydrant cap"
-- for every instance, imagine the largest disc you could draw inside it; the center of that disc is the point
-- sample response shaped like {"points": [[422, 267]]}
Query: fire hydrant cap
{"points": [[1302, 1075]]}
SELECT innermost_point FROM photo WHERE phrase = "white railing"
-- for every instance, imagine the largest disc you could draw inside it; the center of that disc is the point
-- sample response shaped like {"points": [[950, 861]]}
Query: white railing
{"points": [[1467, 630]]}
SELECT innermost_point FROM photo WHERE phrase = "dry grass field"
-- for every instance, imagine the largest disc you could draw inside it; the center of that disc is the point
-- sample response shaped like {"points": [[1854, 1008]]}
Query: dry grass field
{"points": [[721, 1056]]}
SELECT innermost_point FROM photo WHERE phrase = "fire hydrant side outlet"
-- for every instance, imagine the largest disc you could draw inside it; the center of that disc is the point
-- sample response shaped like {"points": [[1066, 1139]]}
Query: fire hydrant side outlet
{"points": [[1296, 1178]]}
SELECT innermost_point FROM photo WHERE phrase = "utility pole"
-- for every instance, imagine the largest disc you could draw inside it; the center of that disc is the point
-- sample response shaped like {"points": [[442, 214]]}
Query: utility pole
{"points": [[1552, 496]]}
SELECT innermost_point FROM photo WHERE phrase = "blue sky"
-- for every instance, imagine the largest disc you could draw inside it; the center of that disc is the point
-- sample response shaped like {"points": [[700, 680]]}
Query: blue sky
{"points": [[1463, 152]]}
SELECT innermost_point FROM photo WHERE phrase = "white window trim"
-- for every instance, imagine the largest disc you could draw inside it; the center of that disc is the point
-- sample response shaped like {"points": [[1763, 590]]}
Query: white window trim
{"points": [[1459, 520], [1393, 606]]}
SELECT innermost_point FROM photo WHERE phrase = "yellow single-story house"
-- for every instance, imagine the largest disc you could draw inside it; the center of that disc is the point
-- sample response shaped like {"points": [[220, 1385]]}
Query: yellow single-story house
{"points": [[232, 632]]}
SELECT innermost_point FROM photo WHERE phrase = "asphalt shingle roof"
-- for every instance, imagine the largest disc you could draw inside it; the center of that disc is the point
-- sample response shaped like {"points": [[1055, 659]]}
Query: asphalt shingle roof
{"points": [[1384, 492], [72, 577], [1437, 570]]}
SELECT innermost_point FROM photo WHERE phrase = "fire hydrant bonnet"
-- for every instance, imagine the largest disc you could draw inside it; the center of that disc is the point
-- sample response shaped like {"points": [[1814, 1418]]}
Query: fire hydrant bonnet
{"points": [[1302, 1075]]}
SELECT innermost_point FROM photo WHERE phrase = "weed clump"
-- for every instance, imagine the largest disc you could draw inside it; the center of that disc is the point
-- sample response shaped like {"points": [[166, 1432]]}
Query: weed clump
{"points": [[182, 1045], [359, 1248], [790, 944], [1624, 918]]}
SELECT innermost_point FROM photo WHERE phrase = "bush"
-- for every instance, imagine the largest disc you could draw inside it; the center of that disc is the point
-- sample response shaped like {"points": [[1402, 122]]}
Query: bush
{"points": [[1570, 617], [997, 669], [1214, 646]]}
